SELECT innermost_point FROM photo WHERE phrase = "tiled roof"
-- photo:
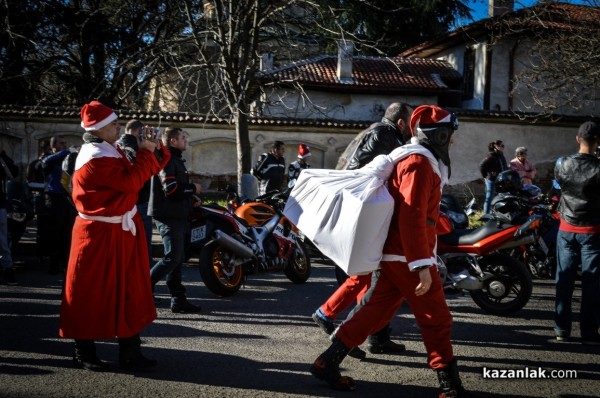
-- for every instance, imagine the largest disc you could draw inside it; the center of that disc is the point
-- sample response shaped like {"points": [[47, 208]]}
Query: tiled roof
{"points": [[70, 114], [552, 15], [369, 74]]}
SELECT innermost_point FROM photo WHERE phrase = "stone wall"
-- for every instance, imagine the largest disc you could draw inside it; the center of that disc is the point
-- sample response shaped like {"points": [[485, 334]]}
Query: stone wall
{"points": [[212, 152]]}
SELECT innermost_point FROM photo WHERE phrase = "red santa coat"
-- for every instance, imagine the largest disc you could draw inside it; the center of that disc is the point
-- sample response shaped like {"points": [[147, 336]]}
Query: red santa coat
{"points": [[412, 235], [107, 289]]}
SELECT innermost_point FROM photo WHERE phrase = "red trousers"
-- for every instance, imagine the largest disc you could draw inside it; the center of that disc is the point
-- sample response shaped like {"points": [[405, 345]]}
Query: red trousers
{"points": [[396, 283], [354, 288]]}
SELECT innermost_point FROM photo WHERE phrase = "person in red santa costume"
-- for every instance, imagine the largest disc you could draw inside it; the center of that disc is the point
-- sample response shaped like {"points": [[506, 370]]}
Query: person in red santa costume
{"points": [[407, 270], [296, 167], [107, 290]]}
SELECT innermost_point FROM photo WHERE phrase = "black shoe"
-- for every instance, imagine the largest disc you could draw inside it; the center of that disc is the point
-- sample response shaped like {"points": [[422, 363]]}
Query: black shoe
{"points": [[320, 370], [591, 340], [387, 347], [9, 277], [325, 325], [327, 367], [92, 363], [138, 362], [185, 307], [357, 353]]}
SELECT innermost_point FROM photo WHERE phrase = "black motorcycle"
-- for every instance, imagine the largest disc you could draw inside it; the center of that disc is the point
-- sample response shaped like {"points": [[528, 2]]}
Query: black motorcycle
{"points": [[539, 256]]}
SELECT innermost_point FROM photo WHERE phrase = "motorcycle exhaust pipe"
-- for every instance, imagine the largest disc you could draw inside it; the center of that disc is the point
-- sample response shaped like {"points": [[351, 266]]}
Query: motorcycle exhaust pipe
{"points": [[237, 247], [526, 240], [463, 280]]}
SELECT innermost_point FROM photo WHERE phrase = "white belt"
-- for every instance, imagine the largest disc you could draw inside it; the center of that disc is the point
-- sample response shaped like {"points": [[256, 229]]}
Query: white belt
{"points": [[393, 257], [126, 220]]}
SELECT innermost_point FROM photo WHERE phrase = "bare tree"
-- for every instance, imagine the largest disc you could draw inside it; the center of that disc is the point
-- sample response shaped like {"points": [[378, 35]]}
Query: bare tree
{"points": [[558, 73], [227, 38]]}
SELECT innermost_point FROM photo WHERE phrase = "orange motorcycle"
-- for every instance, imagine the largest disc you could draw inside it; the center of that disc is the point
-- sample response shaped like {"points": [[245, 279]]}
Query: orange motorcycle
{"points": [[243, 239]]}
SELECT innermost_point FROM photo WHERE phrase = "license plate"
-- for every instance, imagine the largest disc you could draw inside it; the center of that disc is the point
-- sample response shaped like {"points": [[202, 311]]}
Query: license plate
{"points": [[198, 234]]}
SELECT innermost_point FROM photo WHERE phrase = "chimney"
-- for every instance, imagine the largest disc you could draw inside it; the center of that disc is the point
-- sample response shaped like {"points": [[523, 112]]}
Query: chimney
{"points": [[266, 61], [500, 7], [344, 65]]}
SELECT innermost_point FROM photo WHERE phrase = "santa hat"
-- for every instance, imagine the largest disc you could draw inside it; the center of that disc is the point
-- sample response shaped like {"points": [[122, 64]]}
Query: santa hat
{"points": [[429, 117], [96, 115], [303, 151]]}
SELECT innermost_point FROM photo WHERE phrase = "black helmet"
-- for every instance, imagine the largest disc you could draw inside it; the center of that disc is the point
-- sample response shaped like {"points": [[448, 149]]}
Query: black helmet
{"points": [[509, 181]]}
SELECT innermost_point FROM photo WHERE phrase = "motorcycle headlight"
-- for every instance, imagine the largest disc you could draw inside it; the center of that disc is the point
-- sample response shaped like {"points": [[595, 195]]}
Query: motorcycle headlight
{"points": [[458, 218]]}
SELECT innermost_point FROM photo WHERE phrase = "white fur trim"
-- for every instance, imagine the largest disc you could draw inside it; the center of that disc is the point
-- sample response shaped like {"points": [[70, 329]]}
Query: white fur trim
{"points": [[113, 116], [95, 150]]}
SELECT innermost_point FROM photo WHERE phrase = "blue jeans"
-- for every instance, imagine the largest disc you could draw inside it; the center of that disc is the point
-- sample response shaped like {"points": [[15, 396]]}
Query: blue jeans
{"points": [[5, 255], [571, 250], [172, 233], [142, 208], [489, 195]]}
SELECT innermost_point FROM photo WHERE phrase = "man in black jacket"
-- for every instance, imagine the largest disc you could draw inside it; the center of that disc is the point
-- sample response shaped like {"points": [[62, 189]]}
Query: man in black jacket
{"points": [[380, 138], [269, 169], [578, 239], [170, 205]]}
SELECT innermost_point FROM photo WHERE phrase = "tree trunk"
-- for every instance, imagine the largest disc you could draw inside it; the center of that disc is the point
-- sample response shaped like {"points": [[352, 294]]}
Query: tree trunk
{"points": [[242, 138]]}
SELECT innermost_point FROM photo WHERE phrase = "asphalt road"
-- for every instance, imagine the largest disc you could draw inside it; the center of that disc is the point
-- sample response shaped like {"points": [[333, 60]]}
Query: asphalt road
{"points": [[261, 342]]}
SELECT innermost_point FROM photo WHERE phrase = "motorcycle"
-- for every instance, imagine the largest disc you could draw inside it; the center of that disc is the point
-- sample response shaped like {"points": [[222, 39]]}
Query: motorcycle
{"points": [[253, 238], [540, 255], [474, 260], [274, 199]]}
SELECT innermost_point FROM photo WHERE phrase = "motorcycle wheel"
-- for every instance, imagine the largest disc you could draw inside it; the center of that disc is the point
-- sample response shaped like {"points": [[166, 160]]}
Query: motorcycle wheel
{"points": [[298, 268], [508, 289], [217, 274]]}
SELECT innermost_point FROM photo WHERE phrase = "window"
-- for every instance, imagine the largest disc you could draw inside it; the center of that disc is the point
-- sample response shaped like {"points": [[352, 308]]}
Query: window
{"points": [[468, 73]]}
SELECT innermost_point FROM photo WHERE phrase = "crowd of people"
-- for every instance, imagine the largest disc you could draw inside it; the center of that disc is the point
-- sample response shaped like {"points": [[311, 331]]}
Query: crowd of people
{"points": [[99, 203]]}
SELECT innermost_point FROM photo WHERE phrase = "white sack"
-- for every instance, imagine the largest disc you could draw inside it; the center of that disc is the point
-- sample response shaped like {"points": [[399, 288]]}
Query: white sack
{"points": [[347, 213]]}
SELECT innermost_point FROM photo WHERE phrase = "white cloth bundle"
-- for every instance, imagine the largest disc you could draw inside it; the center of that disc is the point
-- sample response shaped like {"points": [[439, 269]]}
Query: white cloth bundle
{"points": [[347, 213]]}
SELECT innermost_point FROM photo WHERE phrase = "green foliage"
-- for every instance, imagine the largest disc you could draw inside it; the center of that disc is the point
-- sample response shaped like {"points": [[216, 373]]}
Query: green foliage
{"points": [[474, 221]]}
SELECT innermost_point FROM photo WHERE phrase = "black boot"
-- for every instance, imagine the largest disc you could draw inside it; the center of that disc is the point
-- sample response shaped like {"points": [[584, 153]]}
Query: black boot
{"points": [[327, 367], [381, 343], [130, 355], [450, 384], [84, 357]]}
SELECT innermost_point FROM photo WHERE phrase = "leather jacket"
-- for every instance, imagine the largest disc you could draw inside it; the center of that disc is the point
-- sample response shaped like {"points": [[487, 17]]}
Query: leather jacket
{"points": [[270, 172], [379, 139], [579, 179], [492, 165], [171, 191]]}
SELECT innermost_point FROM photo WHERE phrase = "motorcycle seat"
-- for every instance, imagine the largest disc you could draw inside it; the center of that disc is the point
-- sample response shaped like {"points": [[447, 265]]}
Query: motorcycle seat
{"points": [[466, 237]]}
